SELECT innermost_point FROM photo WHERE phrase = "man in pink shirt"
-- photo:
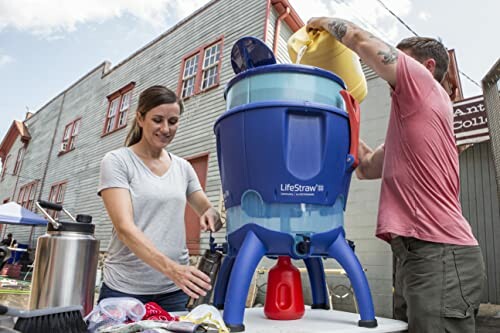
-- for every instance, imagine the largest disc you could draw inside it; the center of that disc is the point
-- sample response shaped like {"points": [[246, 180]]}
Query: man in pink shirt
{"points": [[439, 270]]}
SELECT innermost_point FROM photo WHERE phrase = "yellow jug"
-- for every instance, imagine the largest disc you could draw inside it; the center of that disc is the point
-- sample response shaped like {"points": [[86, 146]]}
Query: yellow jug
{"points": [[322, 50]]}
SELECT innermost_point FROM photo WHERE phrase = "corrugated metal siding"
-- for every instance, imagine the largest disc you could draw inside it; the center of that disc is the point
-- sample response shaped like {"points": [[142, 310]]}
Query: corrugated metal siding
{"points": [[369, 73], [285, 32], [492, 103], [480, 206]]}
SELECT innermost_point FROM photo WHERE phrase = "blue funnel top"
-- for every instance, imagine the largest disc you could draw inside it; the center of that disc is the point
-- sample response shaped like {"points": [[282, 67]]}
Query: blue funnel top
{"points": [[250, 52]]}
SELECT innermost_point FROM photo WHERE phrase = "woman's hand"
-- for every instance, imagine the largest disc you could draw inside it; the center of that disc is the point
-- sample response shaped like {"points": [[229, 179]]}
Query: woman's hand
{"points": [[191, 280], [209, 216], [210, 220]]}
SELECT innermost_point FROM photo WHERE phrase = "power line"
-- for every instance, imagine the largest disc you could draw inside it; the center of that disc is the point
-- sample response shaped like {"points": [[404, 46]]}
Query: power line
{"points": [[367, 25], [416, 34], [397, 17]]}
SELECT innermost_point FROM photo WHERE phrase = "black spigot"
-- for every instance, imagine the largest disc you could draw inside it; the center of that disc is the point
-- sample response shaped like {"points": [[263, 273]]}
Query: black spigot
{"points": [[303, 247]]}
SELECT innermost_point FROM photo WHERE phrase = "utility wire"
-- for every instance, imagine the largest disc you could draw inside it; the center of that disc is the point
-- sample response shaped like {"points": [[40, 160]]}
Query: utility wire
{"points": [[367, 25], [413, 31], [397, 17]]}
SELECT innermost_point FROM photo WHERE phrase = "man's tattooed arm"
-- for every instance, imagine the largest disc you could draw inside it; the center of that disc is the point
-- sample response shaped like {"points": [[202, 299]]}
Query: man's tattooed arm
{"points": [[338, 28], [390, 56], [377, 54]]}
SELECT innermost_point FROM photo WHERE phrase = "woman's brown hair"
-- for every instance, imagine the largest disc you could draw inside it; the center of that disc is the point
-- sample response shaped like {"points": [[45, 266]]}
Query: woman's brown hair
{"points": [[149, 99]]}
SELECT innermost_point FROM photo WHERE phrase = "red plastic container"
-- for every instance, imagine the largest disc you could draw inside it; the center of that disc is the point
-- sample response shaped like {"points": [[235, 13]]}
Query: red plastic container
{"points": [[284, 299]]}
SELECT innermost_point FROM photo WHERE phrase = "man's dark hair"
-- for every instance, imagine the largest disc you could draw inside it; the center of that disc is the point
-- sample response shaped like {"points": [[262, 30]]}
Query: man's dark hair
{"points": [[423, 48]]}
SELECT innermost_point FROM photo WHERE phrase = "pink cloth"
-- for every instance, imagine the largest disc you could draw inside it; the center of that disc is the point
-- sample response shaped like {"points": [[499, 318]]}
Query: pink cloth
{"points": [[420, 179], [156, 312]]}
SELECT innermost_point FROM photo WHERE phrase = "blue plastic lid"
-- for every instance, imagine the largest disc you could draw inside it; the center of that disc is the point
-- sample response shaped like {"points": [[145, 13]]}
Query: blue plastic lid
{"points": [[250, 52]]}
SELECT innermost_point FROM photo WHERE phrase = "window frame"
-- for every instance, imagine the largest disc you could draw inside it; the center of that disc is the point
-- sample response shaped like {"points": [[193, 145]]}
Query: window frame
{"points": [[20, 156], [55, 196], [200, 52], [4, 167], [70, 141], [29, 200], [112, 124]]}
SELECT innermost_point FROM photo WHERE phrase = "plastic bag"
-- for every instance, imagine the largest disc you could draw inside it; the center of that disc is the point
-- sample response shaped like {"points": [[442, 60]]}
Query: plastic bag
{"points": [[113, 311], [206, 315]]}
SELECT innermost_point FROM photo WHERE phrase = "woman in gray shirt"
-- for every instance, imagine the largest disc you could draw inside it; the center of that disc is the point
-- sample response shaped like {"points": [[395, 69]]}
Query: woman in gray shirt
{"points": [[145, 189]]}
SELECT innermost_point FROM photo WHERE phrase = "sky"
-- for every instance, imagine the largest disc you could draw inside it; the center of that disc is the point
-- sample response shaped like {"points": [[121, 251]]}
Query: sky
{"points": [[46, 45]]}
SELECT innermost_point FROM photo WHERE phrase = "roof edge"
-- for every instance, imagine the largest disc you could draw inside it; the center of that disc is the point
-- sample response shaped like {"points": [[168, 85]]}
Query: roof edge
{"points": [[293, 19]]}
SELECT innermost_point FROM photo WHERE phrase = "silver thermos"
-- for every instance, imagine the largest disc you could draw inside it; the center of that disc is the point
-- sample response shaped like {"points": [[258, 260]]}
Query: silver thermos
{"points": [[65, 264]]}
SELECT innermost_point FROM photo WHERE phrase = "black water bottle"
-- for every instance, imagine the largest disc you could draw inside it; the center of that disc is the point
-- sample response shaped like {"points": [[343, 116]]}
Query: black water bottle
{"points": [[209, 264]]}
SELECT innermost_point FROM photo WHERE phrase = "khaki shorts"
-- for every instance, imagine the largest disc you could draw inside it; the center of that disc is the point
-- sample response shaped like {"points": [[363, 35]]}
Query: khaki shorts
{"points": [[437, 287]]}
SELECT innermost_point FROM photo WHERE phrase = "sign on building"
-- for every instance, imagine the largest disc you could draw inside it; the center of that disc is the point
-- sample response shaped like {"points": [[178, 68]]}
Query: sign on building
{"points": [[470, 123]]}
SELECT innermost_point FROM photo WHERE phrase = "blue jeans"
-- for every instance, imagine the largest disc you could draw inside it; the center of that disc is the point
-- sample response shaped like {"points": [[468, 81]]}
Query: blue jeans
{"points": [[170, 302]]}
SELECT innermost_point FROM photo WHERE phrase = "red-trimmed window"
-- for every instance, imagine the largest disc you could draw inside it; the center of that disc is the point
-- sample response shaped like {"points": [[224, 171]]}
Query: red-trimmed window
{"points": [[118, 107], [201, 69], [26, 196], [19, 159], [56, 195], [69, 137], [4, 167]]}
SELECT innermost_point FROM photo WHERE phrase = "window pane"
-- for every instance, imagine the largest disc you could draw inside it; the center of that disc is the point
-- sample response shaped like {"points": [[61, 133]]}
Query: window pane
{"points": [[188, 87], [211, 56], [26, 196], [125, 101], [111, 122], [20, 195], [60, 194], [67, 132], [33, 191], [209, 77], [113, 107], [76, 128], [122, 119], [190, 67], [51, 194]]}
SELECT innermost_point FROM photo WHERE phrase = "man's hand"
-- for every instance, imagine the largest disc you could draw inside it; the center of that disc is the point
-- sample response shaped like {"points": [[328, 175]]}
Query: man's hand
{"points": [[335, 26], [371, 161], [316, 24]]}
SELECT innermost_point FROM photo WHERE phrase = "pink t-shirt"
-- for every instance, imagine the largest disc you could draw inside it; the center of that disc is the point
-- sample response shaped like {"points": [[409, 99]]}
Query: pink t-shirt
{"points": [[420, 179]]}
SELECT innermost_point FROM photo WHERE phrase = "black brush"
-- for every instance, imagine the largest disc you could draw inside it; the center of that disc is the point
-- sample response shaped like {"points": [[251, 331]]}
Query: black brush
{"points": [[66, 319]]}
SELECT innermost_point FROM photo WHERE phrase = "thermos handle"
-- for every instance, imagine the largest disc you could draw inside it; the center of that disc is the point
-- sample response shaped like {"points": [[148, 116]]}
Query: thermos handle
{"points": [[353, 112], [54, 206], [50, 205], [40, 204]]}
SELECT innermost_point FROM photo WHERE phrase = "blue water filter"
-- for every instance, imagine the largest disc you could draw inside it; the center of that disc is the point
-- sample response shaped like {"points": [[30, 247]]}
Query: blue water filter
{"points": [[286, 148]]}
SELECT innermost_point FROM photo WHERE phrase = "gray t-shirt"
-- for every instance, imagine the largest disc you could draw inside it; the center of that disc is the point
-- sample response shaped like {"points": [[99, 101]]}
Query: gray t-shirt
{"points": [[158, 204]]}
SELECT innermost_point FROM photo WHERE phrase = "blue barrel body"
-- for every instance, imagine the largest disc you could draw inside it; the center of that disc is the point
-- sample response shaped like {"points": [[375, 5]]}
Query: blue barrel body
{"points": [[284, 157]]}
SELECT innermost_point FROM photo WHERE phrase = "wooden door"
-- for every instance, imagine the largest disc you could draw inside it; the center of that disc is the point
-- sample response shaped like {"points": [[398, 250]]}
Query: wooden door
{"points": [[191, 219]]}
